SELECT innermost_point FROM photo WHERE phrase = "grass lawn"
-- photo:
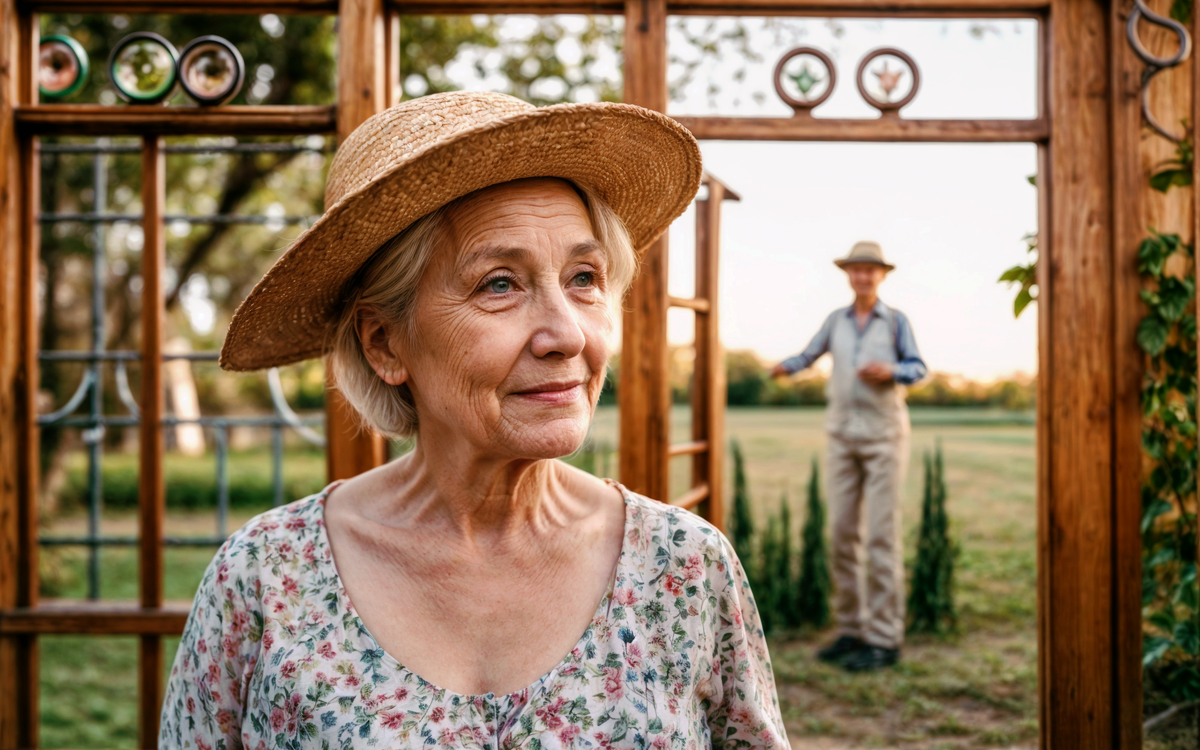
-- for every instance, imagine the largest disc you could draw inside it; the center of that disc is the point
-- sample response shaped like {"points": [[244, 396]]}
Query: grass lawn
{"points": [[975, 689]]}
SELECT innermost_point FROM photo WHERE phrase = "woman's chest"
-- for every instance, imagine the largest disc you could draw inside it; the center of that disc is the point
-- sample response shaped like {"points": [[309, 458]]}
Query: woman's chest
{"points": [[633, 680]]}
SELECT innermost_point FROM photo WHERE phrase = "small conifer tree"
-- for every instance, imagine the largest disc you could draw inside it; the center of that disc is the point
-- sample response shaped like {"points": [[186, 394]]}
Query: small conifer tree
{"points": [[931, 602], [741, 522], [814, 587], [785, 577]]}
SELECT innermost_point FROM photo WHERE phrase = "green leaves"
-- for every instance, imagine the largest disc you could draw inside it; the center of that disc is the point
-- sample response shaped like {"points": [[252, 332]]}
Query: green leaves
{"points": [[1170, 597], [1025, 275]]}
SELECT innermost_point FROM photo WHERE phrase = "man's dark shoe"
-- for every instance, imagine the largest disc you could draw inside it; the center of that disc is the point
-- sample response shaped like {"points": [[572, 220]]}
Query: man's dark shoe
{"points": [[843, 647], [871, 658]]}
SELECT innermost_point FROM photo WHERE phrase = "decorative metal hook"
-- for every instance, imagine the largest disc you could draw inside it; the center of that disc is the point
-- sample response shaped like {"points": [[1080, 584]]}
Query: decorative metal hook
{"points": [[1155, 65], [805, 80]]}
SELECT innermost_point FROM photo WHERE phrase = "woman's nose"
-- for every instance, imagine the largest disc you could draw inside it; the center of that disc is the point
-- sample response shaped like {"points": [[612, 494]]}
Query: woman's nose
{"points": [[557, 329]]}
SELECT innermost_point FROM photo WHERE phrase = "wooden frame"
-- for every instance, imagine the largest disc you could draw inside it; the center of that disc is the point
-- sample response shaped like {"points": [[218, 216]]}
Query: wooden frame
{"points": [[1088, 422]]}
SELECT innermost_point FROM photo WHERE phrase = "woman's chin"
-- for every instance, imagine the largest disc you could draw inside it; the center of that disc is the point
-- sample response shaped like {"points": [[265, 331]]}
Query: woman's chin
{"points": [[551, 439]]}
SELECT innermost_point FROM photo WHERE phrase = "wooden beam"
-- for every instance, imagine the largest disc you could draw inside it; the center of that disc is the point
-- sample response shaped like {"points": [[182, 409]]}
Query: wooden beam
{"points": [[19, 240], [141, 119], [820, 8], [883, 129], [151, 487], [98, 618], [362, 91], [695, 304], [708, 376], [1076, 389], [255, 7], [692, 497], [692, 448], [643, 394]]}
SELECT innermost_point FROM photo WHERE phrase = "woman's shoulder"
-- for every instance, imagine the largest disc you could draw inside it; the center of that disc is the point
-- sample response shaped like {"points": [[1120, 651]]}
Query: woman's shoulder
{"points": [[288, 534], [661, 528]]}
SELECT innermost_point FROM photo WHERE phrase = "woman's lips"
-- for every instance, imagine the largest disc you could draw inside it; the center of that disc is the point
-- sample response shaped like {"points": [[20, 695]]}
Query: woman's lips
{"points": [[553, 393]]}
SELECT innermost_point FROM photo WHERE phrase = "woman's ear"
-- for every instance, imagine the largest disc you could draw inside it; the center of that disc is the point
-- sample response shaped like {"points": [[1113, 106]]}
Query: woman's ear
{"points": [[379, 345]]}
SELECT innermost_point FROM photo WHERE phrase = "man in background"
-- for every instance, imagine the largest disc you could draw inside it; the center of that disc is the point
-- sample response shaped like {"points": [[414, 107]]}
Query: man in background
{"points": [[874, 356]]}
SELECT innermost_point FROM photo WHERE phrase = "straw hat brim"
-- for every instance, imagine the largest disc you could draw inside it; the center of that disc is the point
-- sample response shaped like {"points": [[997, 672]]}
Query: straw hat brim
{"points": [[643, 164], [843, 262]]}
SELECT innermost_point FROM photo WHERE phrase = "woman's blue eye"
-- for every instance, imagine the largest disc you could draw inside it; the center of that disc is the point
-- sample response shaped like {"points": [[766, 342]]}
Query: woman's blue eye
{"points": [[583, 279], [500, 286]]}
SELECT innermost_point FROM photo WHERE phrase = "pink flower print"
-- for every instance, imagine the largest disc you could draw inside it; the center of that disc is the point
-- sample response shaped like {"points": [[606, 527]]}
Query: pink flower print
{"points": [[268, 640], [240, 621], [310, 554], [214, 674], [625, 597], [201, 744], [223, 572], [437, 714], [278, 719], [603, 739], [325, 650], [288, 670], [392, 719], [767, 738], [400, 694], [550, 714], [191, 705], [225, 720], [290, 587], [633, 656], [660, 742], [352, 680], [737, 615], [694, 570], [201, 646], [567, 734], [295, 523], [673, 585], [447, 737], [612, 683], [280, 606]]}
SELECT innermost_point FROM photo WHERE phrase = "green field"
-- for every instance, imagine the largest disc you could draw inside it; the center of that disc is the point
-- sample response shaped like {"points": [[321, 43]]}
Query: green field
{"points": [[974, 689]]}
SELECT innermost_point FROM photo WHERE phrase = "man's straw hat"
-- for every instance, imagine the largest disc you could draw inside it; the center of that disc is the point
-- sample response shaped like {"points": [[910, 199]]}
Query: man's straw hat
{"points": [[865, 252], [413, 158]]}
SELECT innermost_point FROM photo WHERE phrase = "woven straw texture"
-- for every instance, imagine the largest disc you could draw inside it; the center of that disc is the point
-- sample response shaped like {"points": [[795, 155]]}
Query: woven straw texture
{"points": [[422, 154]]}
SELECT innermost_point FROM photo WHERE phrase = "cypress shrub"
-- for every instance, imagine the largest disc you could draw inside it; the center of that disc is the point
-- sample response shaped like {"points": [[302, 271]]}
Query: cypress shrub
{"points": [[741, 522], [815, 585], [931, 602]]}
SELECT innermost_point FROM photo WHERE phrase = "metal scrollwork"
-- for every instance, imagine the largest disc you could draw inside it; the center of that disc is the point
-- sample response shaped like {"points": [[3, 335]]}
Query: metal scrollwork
{"points": [[1155, 65]]}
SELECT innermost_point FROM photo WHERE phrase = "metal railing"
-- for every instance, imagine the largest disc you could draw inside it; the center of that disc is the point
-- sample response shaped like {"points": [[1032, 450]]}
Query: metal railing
{"points": [[94, 422]]}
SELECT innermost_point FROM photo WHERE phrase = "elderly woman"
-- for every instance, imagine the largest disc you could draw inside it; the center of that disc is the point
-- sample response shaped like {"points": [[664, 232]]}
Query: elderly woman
{"points": [[478, 592]]}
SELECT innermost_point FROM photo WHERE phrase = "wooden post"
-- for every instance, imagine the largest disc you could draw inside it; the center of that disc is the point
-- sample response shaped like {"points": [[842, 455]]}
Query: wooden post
{"points": [[643, 393], [1076, 389], [362, 91], [151, 486], [19, 241]]}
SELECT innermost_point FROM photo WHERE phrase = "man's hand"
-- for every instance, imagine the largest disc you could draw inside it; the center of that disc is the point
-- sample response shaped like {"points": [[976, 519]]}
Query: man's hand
{"points": [[876, 373], [779, 371]]}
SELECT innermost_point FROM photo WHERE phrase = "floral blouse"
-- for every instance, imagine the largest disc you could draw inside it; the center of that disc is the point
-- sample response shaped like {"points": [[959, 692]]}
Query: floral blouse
{"points": [[275, 656]]}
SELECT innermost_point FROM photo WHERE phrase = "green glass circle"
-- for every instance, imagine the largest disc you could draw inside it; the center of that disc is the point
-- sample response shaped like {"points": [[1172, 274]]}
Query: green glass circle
{"points": [[59, 56], [142, 68]]}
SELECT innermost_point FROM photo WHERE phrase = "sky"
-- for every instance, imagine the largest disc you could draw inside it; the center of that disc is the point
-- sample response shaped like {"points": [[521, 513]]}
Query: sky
{"points": [[950, 216]]}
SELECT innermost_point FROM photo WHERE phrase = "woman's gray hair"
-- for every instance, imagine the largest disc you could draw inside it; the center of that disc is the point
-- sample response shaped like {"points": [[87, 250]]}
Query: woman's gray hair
{"points": [[389, 283]]}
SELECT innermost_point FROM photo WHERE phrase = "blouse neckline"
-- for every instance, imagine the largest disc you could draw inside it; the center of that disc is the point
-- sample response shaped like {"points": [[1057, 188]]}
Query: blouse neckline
{"points": [[518, 696]]}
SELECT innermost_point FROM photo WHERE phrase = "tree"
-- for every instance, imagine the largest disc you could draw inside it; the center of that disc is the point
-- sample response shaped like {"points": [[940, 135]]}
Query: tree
{"points": [[741, 522], [815, 585], [931, 601]]}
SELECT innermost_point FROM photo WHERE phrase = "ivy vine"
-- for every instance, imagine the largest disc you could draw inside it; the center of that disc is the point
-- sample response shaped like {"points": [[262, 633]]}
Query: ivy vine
{"points": [[1170, 588]]}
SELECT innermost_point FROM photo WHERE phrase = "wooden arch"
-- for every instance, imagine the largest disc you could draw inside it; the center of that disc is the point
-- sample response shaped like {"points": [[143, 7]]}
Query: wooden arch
{"points": [[1091, 189]]}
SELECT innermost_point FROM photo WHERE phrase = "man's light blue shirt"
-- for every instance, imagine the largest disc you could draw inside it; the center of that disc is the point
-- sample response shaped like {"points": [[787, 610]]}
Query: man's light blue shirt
{"points": [[909, 367]]}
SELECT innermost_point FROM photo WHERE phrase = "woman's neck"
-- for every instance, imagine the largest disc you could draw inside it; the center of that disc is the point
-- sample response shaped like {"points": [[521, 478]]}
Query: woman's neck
{"points": [[472, 495]]}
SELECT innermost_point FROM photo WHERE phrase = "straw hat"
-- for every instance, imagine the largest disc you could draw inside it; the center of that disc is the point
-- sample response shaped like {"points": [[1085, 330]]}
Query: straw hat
{"points": [[865, 252], [415, 157]]}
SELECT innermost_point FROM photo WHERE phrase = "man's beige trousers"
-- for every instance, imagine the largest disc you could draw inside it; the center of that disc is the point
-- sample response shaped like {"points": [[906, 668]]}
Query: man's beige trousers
{"points": [[865, 481]]}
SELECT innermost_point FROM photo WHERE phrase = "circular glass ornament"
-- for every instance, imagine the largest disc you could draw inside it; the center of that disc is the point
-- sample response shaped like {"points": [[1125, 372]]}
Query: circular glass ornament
{"points": [[62, 66], [211, 70], [143, 68]]}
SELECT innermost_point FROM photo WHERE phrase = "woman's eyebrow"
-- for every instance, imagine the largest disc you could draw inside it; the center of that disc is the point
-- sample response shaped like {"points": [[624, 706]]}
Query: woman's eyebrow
{"points": [[588, 246], [490, 252]]}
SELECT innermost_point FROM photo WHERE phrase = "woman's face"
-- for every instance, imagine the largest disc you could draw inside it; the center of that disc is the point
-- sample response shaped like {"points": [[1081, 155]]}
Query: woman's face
{"points": [[513, 323]]}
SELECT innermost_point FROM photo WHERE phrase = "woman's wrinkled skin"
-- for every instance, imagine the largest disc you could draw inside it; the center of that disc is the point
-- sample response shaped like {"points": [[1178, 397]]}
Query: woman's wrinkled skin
{"points": [[505, 360]]}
